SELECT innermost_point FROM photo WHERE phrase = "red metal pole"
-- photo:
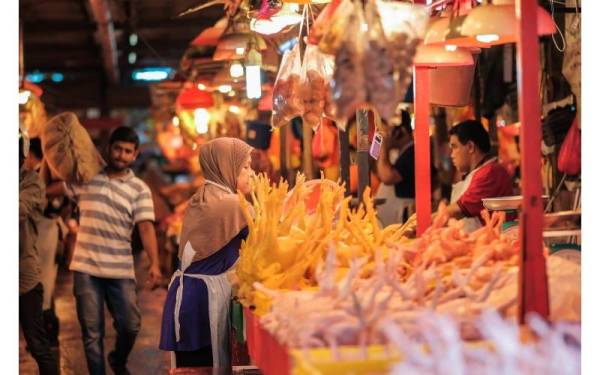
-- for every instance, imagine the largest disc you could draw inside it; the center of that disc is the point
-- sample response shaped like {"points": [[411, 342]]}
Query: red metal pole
{"points": [[533, 285], [422, 162]]}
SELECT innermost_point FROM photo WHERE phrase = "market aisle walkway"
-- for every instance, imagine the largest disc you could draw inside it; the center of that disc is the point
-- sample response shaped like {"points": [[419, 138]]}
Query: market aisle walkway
{"points": [[145, 358]]}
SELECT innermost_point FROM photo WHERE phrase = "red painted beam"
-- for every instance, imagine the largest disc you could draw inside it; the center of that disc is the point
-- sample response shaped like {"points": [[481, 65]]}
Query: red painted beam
{"points": [[422, 154], [533, 285]]}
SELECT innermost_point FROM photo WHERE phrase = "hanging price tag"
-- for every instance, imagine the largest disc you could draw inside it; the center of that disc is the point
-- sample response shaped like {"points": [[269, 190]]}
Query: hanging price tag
{"points": [[375, 149]]}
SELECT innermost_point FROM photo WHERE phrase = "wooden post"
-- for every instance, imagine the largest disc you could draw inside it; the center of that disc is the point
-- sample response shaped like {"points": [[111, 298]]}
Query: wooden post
{"points": [[344, 140], [362, 158], [422, 153], [533, 284], [283, 149], [307, 162], [21, 55]]}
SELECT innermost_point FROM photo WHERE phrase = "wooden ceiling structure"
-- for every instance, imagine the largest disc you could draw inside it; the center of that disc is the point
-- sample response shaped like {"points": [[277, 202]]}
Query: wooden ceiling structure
{"points": [[88, 41]]}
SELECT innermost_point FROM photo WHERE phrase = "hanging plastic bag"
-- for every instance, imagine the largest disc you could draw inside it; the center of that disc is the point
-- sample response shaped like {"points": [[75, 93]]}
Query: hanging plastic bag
{"points": [[348, 84], [404, 25], [317, 70], [337, 28], [287, 99], [323, 22], [378, 66], [569, 157]]}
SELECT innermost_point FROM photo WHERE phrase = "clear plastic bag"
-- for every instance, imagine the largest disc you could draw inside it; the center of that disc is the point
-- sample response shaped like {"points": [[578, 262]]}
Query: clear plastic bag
{"points": [[335, 32], [348, 85], [317, 71], [323, 22], [287, 98], [404, 25], [378, 66]]}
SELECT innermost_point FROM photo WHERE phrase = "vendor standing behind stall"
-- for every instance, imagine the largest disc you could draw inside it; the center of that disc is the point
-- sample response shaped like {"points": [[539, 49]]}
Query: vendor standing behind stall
{"points": [[483, 177], [396, 170], [195, 323]]}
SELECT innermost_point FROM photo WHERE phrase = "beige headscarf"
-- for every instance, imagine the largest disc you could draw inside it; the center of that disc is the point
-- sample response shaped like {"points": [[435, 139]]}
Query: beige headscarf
{"points": [[214, 215]]}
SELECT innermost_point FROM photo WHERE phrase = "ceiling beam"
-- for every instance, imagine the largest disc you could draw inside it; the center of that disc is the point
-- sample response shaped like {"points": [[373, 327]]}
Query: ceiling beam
{"points": [[49, 64], [44, 26], [106, 36]]}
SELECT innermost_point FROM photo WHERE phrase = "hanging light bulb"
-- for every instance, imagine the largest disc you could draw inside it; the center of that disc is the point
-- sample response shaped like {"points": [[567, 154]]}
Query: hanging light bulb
{"points": [[488, 38], [201, 86], [253, 83], [201, 119], [236, 70], [496, 23], [175, 121], [24, 96], [133, 39], [176, 141], [132, 57], [224, 89], [438, 56]]}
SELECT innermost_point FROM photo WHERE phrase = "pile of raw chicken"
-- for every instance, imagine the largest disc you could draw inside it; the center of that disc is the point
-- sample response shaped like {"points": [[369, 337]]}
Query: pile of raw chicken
{"points": [[288, 240], [445, 270], [544, 350], [334, 278]]}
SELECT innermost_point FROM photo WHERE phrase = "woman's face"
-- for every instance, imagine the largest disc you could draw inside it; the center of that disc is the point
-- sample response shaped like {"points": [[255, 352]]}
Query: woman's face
{"points": [[243, 179]]}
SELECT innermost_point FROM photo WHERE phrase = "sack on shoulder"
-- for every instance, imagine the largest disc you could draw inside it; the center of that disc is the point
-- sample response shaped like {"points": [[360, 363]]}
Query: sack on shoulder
{"points": [[69, 150]]}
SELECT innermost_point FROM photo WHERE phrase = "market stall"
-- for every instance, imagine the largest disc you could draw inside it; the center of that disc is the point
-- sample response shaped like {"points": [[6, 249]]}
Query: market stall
{"points": [[325, 289], [321, 286]]}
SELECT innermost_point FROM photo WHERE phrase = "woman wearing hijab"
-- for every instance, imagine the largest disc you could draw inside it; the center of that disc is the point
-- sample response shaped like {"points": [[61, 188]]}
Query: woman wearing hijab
{"points": [[195, 324]]}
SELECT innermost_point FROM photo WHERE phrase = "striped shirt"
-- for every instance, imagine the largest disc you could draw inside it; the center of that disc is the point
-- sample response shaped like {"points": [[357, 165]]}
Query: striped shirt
{"points": [[109, 209]]}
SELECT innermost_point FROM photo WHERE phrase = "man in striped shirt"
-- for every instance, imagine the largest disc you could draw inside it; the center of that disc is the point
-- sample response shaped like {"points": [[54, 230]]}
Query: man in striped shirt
{"points": [[110, 205]]}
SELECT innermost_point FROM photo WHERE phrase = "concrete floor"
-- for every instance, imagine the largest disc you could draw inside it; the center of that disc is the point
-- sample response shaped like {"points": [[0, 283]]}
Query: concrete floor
{"points": [[146, 358]]}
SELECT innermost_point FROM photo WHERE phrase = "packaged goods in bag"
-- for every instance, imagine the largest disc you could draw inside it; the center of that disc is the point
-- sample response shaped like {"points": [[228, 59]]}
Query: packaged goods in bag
{"points": [[336, 29], [69, 151], [348, 86], [404, 25], [323, 22], [287, 98], [317, 70], [378, 66]]}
